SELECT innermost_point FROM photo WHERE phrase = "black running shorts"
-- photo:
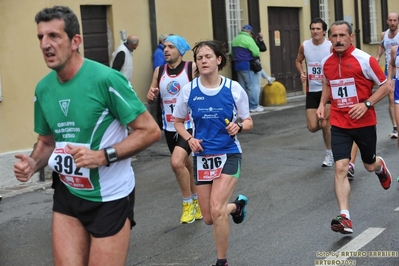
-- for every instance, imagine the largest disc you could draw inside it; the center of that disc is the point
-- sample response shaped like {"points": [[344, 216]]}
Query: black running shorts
{"points": [[365, 138], [101, 219], [313, 100], [173, 139]]}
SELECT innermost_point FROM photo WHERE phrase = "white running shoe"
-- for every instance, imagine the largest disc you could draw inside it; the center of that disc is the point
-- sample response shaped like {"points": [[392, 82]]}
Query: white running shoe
{"points": [[257, 109], [328, 160], [394, 134]]}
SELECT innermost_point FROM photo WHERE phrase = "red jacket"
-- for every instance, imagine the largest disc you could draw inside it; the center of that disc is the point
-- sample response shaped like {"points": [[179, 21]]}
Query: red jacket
{"points": [[351, 77]]}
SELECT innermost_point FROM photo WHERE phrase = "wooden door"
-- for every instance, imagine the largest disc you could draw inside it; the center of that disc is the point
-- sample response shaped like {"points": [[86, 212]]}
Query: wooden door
{"points": [[94, 27], [284, 44]]}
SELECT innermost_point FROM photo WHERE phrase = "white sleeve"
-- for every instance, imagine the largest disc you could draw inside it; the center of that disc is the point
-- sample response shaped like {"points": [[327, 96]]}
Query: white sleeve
{"points": [[241, 100], [181, 106]]}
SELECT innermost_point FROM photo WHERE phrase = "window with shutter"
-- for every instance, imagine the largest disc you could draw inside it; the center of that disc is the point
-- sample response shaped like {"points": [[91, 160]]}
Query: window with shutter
{"points": [[219, 21]]}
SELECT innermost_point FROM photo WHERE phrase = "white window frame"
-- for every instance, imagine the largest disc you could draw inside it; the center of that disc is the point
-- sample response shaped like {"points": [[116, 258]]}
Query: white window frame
{"points": [[324, 11], [234, 19], [373, 22]]}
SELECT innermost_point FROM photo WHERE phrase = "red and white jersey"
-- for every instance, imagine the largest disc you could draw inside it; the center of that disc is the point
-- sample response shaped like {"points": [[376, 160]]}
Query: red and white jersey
{"points": [[313, 55], [351, 77], [169, 90]]}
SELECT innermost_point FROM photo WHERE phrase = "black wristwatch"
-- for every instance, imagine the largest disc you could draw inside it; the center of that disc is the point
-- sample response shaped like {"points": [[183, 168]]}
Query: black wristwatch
{"points": [[368, 104], [110, 155], [240, 126]]}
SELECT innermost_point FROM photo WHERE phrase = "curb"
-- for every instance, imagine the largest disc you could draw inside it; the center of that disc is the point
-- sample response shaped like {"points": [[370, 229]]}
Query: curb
{"points": [[24, 188]]}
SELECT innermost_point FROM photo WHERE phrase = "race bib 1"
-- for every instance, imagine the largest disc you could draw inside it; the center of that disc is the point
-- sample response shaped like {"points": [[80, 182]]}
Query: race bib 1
{"points": [[62, 162], [169, 106], [344, 92], [210, 167]]}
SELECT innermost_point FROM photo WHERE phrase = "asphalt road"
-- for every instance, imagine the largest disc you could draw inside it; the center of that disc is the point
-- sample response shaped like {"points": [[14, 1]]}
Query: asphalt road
{"points": [[291, 204]]}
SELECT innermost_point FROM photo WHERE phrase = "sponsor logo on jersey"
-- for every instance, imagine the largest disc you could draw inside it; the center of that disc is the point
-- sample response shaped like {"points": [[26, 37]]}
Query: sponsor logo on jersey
{"points": [[64, 104], [173, 87], [196, 98]]}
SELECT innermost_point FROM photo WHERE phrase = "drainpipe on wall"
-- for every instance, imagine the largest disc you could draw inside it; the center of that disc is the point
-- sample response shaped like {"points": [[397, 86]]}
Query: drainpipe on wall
{"points": [[1, 94], [357, 30], [153, 24]]}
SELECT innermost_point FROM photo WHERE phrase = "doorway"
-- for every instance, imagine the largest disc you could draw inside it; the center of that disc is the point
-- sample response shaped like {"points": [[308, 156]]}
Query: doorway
{"points": [[284, 43]]}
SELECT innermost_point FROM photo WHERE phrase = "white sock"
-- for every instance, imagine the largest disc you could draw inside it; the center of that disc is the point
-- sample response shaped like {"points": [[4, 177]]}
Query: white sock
{"points": [[329, 151], [346, 212], [379, 171], [189, 200]]}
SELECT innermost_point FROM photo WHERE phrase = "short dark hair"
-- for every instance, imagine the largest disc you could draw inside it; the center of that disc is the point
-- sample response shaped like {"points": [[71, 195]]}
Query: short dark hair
{"points": [[343, 22], [218, 47], [71, 23], [318, 20]]}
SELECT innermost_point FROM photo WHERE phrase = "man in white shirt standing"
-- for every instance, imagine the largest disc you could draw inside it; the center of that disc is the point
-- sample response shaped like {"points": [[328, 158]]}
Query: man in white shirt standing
{"points": [[122, 59]]}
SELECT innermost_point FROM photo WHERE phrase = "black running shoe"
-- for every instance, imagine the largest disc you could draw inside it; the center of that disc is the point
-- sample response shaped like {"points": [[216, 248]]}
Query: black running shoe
{"points": [[221, 264], [239, 217]]}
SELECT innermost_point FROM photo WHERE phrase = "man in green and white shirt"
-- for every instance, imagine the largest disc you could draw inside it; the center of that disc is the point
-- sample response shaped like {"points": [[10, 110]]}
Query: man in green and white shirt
{"points": [[82, 109]]}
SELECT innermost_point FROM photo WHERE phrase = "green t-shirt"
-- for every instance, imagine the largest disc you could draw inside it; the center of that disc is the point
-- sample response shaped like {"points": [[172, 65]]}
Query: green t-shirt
{"points": [[92, 109]]}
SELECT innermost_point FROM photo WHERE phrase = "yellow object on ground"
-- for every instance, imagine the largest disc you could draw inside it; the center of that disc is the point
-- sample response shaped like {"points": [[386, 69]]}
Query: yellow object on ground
{"points": [[274, 94]]}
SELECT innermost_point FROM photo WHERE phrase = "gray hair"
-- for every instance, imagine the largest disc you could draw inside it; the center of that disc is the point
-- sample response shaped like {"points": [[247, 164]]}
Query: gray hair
{"points": [[343, 22]]}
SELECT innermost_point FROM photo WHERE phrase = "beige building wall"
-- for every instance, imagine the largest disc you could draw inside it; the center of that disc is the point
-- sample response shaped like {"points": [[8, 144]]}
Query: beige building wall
{"points": [[22, 65]]}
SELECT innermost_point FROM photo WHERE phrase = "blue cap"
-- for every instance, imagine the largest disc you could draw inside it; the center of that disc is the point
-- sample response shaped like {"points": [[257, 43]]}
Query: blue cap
{"points": [[180, 43], [247, 27]]}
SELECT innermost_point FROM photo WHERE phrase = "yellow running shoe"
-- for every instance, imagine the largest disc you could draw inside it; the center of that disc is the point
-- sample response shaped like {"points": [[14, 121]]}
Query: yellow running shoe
{"points": [[197, 209], [187, 217]]}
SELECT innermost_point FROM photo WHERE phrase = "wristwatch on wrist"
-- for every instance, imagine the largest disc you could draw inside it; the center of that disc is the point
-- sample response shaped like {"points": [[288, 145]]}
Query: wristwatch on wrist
{"points": [[240, 126], [368, 104], [110, 155]]}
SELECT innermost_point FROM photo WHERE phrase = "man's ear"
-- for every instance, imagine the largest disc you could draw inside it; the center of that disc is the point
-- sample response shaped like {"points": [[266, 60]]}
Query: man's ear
{"points": [[76, 42]]}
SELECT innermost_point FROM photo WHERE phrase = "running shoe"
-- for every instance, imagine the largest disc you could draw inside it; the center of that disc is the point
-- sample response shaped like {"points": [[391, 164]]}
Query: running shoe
{"points": [[258, 109], [328, 160], [221, 264], [385, 176], [187, 217], [342, 225], [351, 171], [394, 134], [197, 210], [239, 217]]}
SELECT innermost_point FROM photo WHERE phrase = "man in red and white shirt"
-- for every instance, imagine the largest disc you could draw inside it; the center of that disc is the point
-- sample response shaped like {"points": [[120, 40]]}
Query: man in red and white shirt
{"points": [[350, 75]]}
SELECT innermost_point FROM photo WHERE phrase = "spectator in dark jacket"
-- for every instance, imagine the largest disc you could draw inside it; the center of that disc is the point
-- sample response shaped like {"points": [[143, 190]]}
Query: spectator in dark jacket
{"points": [[158, 58]]}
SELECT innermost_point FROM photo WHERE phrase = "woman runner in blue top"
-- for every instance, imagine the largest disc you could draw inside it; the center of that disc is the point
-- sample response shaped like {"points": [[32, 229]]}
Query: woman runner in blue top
{"points": [[220, 110]]}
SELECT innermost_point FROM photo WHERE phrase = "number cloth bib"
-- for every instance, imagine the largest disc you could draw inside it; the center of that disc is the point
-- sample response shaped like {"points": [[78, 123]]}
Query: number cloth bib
{"points": [[314, 71], [62, 162], [210, 167], [344, 92]]}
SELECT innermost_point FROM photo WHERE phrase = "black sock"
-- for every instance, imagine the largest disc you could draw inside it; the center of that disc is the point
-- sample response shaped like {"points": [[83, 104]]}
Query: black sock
{"points": [[221, 262], [395, 128], [238, 208]]}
